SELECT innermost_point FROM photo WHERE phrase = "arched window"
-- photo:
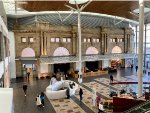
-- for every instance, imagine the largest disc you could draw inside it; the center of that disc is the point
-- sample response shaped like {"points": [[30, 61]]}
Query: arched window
{"points": [[28, 52], [91, 50], [116, 49], [61, 51]]}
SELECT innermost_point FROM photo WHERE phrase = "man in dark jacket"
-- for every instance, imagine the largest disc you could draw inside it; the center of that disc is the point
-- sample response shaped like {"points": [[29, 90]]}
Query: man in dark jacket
{"points": [[68, 93], [111, 78], [80, 93], [25, 89]]}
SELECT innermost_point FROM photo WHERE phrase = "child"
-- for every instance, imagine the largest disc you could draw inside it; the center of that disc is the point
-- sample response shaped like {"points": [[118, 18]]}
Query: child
{"points": [[42, 97]]}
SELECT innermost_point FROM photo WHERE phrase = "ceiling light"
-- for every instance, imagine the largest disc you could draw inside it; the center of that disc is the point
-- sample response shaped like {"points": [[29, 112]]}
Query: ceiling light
{"points": [[78, 1]]}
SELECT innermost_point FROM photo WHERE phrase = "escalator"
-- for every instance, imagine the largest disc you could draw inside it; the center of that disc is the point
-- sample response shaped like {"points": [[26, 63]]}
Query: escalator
{"points": [[141, 108]]}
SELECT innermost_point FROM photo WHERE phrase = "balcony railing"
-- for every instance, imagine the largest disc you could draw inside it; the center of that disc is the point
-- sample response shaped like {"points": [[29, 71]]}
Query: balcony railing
{"points": [[65, 59]]}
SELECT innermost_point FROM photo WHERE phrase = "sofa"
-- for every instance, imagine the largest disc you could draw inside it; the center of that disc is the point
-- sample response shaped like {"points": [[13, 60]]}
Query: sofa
{"points": [[58, 90]]}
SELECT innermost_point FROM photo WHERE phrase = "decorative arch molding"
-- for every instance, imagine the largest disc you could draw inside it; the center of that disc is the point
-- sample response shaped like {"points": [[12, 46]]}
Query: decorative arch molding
{"points": [[116, 49], [28, 52], [91, 50], [61, 51]]}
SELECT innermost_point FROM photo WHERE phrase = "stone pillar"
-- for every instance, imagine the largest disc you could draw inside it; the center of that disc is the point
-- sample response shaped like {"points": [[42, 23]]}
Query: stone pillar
{"points": [[12, 55], [41, 36], [105, 63], [74, 42], [125, 42], [128, 37], [102, 44], [45, 43], [100, 63], [18, 68]]}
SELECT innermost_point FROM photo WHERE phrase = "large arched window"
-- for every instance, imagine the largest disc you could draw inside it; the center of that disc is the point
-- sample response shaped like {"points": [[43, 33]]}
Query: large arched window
{"points": [[28, 52], [116, 49], [61, 51], [91, 50]]}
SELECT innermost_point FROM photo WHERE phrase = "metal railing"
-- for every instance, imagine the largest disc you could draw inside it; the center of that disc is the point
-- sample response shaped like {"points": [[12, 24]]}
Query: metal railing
{"points": [[75, 58]]}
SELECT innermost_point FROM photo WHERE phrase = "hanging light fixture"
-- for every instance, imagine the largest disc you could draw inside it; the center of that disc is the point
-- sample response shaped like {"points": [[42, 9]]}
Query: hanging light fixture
{"points": [[78, 1]]}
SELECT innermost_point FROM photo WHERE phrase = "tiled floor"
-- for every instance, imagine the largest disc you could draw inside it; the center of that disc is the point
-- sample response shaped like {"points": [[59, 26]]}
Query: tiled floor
{"points": [[27, 104]]}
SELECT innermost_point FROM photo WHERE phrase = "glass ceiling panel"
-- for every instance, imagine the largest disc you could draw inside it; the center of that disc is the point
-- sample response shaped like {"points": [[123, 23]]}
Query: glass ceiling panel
{"points": [[11, 7]]}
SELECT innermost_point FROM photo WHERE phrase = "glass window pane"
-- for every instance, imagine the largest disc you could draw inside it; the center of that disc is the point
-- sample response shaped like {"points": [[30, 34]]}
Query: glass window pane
{"points": [[31, 39], [97, 40], [68, 40], [52, 39], [23, 39], [57, 39], [64, 40], [94, 40]]}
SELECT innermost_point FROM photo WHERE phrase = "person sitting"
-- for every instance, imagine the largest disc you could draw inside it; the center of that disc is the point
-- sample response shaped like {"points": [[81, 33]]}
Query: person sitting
{"points": [[122, 91], [53, 80]]}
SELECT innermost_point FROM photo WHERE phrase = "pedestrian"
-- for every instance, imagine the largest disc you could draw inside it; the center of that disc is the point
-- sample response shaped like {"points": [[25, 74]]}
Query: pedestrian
{"points": [[80, 93], [131, 66], [38, 101], [98, 99], [136, 67], [25, 89], [111, 78], [101, 108], [28, 74], [42, 97], [68, 93]]}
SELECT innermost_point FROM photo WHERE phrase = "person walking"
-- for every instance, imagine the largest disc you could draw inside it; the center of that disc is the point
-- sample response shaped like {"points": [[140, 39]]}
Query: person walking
{"points": [[111, 78], [80, 93], [42, 97], [101, 108], [136, 67], [98, 99], [25, 89], [28, 74], [131, 66]]}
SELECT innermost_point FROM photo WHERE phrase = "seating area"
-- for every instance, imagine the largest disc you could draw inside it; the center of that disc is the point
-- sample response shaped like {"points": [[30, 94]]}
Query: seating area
{"points": [[58, 89]]}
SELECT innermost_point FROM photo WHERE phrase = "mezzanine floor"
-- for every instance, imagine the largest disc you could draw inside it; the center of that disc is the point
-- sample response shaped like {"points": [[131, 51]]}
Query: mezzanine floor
{"points": [[27, 104]]}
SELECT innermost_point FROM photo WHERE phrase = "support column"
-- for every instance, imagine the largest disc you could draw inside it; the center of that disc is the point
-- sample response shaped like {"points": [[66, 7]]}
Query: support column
{"points": [[3, 56], [136, 39], [125, 41], [42, 52], [79, 36], [74, 42], [104, 43], [145, 48], [140, 51], [45, 43]]}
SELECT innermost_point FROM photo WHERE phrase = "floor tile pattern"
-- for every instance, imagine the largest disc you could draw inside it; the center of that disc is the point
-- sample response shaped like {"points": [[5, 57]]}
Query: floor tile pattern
{"points": [[66, 106]]}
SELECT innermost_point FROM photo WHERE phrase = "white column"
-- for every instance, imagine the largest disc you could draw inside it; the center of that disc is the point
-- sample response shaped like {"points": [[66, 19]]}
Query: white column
{"points": [[140, 50], [79, 36], [12, 54]]}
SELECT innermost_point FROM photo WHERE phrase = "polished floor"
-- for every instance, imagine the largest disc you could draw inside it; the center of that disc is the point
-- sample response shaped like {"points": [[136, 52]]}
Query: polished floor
{"points": [[27, 104]]}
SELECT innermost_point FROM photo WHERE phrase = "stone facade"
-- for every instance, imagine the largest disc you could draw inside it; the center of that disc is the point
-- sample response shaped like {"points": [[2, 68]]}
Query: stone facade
{"points": [[48, 37]]}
